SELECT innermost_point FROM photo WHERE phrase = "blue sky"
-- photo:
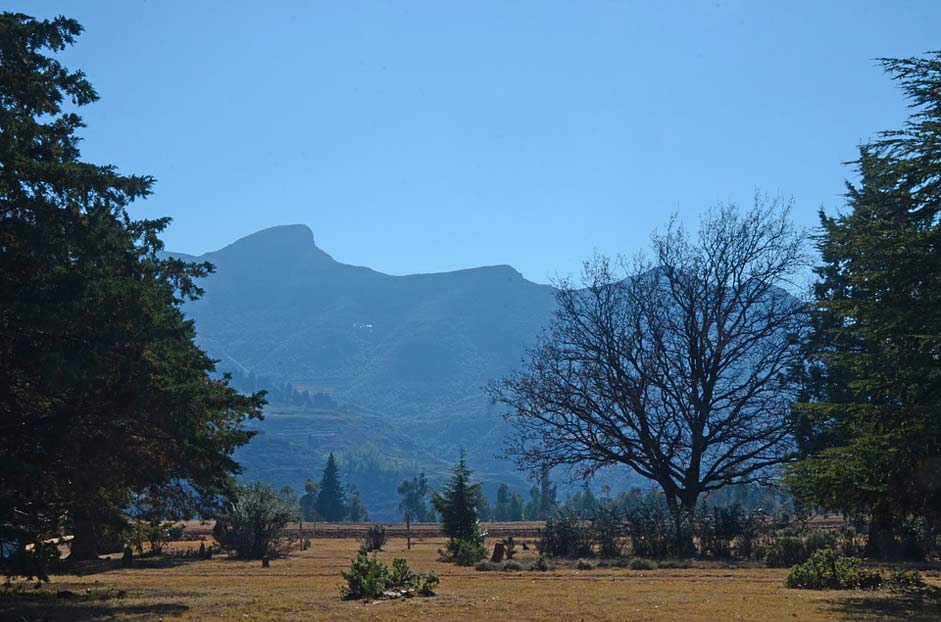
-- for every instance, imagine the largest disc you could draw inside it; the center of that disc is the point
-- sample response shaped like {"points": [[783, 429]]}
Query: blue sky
{"points": [[429, 136]]}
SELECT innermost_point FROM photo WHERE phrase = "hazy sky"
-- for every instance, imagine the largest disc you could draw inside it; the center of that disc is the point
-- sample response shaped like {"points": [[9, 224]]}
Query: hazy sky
{"points": [[419, 137]]}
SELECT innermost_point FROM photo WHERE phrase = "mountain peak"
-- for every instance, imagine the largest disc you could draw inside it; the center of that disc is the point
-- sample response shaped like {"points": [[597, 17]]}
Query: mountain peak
{"points": [[291, 235], [278, 241]]}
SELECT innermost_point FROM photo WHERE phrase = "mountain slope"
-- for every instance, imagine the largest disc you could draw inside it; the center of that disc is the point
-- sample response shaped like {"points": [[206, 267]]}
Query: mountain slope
{"points": [[412, 352]]}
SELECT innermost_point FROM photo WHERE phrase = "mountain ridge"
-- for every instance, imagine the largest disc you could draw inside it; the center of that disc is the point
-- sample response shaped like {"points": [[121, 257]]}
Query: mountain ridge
{"points": [[413, 351]]}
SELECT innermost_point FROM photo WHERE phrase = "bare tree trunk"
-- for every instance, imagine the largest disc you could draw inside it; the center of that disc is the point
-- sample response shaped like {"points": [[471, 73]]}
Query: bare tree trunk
{"points": [[408, 530]]}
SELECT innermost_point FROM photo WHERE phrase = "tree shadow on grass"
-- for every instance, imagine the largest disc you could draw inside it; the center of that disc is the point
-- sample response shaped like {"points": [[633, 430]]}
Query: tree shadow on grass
{"points": [[54, 611], [919, 606], [98, 566]]}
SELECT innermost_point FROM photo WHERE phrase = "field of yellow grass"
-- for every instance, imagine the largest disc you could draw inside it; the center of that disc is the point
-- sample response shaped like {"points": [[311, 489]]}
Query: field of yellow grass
{"points": [[304, 586]]}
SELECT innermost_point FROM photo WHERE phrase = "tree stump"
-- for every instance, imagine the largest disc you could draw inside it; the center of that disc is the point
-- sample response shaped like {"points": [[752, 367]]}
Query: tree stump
{"points": [[265, 562], [498, 551]]}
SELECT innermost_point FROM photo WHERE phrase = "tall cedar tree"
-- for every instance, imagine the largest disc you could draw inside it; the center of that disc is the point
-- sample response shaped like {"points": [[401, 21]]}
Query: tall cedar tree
{"points": [[871, 421], [104, 396], [331, 500], [457, 504]]}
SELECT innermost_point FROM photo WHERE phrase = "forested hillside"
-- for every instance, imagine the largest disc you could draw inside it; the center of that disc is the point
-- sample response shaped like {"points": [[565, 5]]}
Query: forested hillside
{"points": [[354, 359]]}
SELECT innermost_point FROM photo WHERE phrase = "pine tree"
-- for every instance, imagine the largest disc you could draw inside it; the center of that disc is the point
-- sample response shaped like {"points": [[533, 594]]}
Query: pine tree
{"points": [[457, 504], [331, 500], [870, 423]]}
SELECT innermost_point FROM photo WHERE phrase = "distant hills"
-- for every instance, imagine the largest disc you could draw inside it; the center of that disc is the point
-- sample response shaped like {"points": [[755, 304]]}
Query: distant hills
{"points": [[397, 363]]}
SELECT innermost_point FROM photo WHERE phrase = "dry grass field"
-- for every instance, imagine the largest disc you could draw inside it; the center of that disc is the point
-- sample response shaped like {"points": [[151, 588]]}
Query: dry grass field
{"points": [[303, 586]]}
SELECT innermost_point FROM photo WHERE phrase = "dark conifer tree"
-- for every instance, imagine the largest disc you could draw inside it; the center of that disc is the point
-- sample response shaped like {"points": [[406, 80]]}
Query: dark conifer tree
{"points": [[331, 500], [457, 504], [104, 395], [870, 424]]}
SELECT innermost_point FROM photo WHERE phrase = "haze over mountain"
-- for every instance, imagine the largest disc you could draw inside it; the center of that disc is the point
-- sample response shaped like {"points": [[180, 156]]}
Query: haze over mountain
{"points": [[405, 358]]}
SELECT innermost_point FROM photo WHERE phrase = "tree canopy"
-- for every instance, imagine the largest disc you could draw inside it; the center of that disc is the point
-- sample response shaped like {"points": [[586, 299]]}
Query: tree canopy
{"points": [[870, 424], [103, 393], [414, 496], [680, 368]]}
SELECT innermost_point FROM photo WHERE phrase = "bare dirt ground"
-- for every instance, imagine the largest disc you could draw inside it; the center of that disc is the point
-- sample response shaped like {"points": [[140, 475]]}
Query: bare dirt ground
{"points": [[304, 586]]}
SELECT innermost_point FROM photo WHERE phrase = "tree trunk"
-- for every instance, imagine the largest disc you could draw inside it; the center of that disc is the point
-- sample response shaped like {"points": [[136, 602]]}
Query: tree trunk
{"points": [[85, 541], [880, 542], [682, 528]]}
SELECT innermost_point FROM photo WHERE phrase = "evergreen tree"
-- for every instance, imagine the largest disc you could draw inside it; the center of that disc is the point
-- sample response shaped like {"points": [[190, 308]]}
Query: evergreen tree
{"points": [[870, 424], [457, 504], [331, 500], [104, 395]]}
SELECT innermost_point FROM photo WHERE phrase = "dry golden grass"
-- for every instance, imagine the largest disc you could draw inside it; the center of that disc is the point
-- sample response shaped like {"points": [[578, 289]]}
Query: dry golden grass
{"points": [[304, 587]]}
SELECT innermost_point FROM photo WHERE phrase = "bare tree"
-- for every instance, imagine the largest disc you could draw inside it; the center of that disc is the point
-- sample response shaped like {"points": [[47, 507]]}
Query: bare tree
{"points": [[678, 367]]}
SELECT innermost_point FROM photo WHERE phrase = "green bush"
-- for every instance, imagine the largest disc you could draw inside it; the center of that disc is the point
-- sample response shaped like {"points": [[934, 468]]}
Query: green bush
{"points": [[368, 578], [466, 552], [790, 548], [785, 552], [254, 523], [826, 570], [902, 579], [566, 536]]}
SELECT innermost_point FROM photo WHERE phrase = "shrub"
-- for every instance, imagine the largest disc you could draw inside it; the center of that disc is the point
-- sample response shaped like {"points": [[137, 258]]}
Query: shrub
{"points": [[466, 552], [607, 529], [154, 533], [509, 547], [651, 530], [585, 564], [826, 570], [639, 563], [368, 578], [512, 565], [565, 536], [788, 550], [902, 579], [375, 538], [30, 564], [541, 564], [254, 523]]}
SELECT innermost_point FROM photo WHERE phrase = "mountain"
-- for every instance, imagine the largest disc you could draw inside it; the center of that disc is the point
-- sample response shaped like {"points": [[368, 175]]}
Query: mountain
{"points": [[404, 358]]}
